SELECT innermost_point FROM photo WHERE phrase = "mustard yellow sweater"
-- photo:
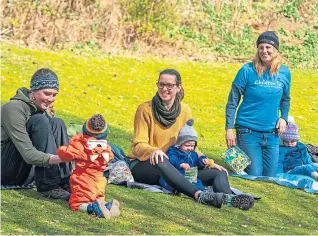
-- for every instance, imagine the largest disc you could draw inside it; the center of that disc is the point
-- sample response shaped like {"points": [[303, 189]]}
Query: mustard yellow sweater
{"points": [[150, 135]]}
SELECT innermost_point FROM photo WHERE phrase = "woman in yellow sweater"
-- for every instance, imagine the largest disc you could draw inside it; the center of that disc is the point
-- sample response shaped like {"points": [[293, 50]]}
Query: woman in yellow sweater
{"points": [[156, 127]]}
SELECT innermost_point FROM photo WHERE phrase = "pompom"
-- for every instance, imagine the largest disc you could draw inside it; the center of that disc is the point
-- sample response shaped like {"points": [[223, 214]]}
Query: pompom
{"points": [[291, 119], [97, 122], [190, 122]]}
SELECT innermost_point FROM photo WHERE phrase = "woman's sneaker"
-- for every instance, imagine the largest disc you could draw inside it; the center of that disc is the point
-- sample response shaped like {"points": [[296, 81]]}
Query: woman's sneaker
{"points": [[242, 201], [210, 198]]}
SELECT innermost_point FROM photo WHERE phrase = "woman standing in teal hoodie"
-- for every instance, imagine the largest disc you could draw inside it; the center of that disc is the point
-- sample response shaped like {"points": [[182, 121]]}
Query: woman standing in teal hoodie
{"points": [[264, 85], [30, 138]]}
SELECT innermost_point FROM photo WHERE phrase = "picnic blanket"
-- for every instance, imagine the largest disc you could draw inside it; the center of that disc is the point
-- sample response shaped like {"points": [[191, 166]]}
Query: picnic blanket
{"points": [[159, 189], [23, 186], [288, 180]]}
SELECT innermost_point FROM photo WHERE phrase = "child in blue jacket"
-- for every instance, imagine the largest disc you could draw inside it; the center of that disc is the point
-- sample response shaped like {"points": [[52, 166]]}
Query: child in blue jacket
{"points": [[293, 155], [183, 157]]}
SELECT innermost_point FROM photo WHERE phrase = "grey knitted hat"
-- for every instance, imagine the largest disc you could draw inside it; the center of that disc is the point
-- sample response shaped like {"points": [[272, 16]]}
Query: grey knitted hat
{"points": [[44, 79], [187, 133]]}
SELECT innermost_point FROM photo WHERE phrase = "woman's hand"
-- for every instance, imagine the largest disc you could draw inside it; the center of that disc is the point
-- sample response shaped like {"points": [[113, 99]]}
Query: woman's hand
{"points": [[230, 138], [185, 166], [220, 168], [156, 156], [281, 126]]}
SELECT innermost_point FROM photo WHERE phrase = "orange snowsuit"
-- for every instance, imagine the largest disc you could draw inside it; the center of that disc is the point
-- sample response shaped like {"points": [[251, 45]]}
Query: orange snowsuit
{"points": [[87, 180]]}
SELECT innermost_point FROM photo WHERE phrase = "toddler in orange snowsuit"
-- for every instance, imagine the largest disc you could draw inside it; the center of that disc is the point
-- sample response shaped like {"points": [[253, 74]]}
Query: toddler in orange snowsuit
{"points": [[91, 154]]}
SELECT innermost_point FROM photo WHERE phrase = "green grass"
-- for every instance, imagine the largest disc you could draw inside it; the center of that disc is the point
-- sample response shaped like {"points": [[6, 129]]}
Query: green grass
{"points": [[114, 87]]}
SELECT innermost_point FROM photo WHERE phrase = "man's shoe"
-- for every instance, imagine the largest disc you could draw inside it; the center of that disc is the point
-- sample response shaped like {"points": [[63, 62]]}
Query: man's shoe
{"points": [[57, 193], [242, 201], [210, 198]]}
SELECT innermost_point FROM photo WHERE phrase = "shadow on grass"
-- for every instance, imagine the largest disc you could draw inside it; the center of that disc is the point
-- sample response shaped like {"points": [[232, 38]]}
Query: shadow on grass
{"points": [[30, 213], [270, 215], [151, 213]]}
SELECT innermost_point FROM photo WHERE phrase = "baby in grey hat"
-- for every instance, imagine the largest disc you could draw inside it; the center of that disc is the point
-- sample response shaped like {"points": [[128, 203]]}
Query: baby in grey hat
{"points": [[183, 157]]}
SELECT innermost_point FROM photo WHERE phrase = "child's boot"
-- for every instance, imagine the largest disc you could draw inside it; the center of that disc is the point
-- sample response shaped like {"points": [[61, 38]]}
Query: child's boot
{"points": [[99, 209], [113, 207]]}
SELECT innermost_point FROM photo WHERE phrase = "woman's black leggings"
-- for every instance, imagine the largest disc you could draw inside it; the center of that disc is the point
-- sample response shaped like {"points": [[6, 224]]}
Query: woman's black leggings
{"points": [[46, 135], [144, 172]]}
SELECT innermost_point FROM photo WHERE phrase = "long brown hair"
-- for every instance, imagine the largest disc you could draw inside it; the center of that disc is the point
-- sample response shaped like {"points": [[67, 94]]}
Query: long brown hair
{"points": [[276, 62]]}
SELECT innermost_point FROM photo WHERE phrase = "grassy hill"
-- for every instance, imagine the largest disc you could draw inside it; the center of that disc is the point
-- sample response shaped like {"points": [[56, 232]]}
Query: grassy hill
{"points": [[114, 87]]}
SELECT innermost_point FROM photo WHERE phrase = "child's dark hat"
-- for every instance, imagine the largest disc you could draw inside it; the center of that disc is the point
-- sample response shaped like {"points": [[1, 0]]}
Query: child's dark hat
{"points": [[96, 126]]}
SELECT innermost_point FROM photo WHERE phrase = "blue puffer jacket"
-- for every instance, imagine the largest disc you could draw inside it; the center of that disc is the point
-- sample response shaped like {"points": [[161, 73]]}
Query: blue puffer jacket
{"points": [[177, 157], [291, 157]]}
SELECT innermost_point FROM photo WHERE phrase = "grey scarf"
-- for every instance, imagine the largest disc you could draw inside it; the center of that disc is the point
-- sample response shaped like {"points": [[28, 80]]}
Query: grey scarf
{"points": [[162, 115]]}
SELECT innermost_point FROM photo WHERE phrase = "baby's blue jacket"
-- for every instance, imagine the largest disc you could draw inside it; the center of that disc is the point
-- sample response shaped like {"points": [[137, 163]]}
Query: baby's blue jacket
{"points": [[177, 157], [291, 157]]}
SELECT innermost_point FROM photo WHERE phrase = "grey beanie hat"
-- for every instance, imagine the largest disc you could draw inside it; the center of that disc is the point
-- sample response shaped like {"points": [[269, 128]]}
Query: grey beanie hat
{"points": [[44, 79], [268, 37], [187, 133]]}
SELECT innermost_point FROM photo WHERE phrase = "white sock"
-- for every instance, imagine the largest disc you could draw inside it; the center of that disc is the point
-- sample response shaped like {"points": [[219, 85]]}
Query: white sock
{"points": [[83, 207]]}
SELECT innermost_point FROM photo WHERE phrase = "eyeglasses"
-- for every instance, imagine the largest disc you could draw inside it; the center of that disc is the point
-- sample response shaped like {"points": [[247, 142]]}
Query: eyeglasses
{"points": [[168, 86]]}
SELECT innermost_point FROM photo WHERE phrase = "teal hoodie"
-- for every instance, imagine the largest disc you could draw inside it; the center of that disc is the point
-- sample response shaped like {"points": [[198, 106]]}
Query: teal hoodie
{"points": [[14, 116]]}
